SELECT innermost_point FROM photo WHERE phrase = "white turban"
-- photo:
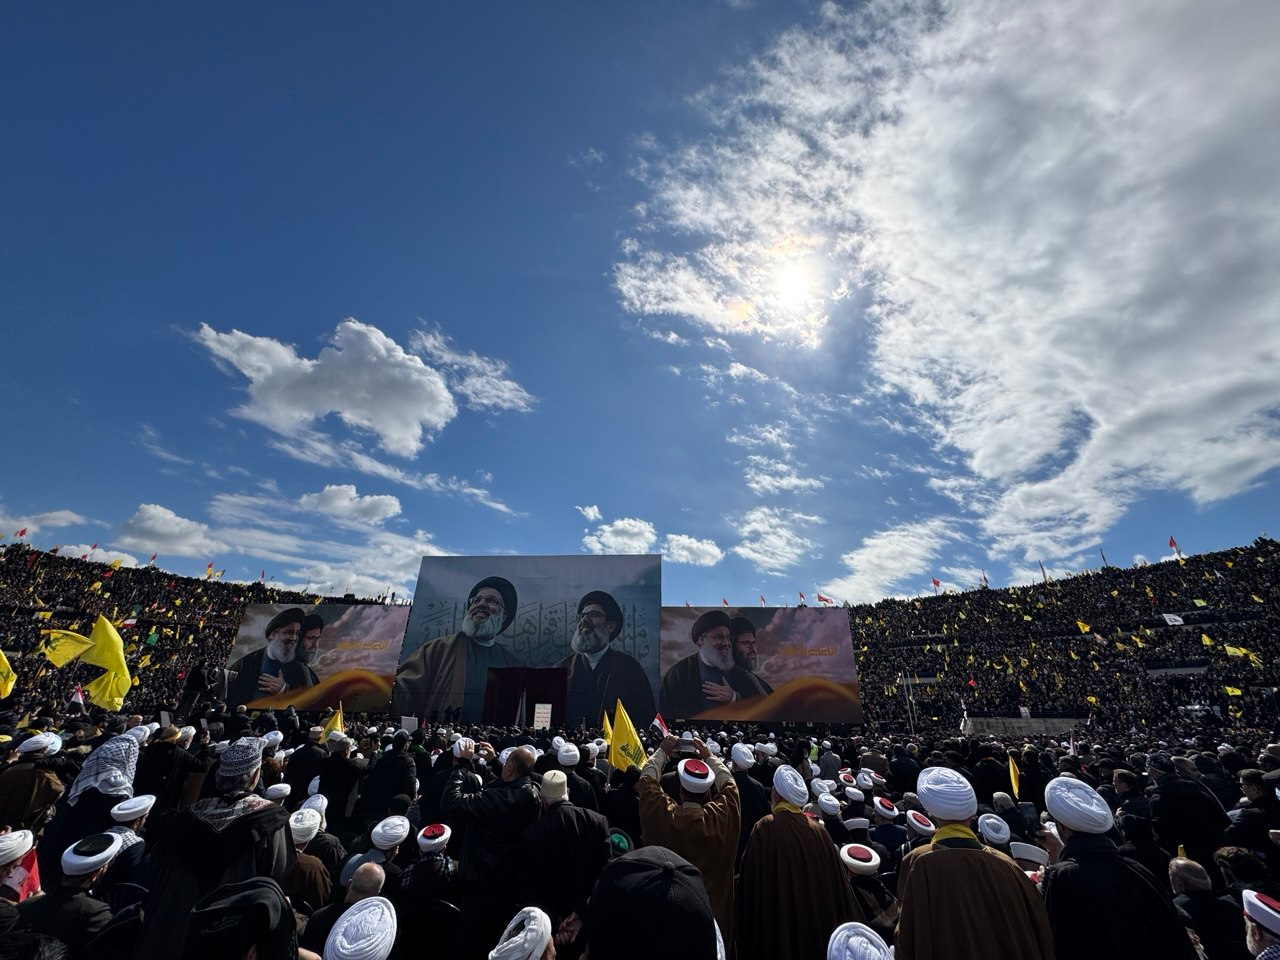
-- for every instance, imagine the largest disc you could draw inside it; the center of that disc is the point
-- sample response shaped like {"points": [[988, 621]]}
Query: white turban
{"points": [[390, 832], [818, 787], [15, 845], [126, 811], [304, 825], [853, 941], [742, 758], [277, 791], [37, 744], [946, 794], [319, 803], [829, 805], [313, 788], [993, 829], [770, 749], [568, 755], [525, 938], [463, 743], [790, 785], [186, 733], [139, 733], [92, 853], [272, 738], [365, 931], [1075, 804]]}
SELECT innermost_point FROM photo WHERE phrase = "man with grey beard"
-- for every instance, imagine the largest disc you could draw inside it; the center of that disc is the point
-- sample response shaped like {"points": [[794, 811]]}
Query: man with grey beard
{"points": [[454, 671], [746, 659], [599, 675], [703, 680], [274, 668]]}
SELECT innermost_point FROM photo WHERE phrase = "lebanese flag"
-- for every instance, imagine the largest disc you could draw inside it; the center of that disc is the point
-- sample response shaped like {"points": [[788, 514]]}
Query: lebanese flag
{"points": [[972, 682], [1173, 544], [93, 548], [724, 601], [762, 600], [153, 558], [936, 583], [660, 725], [128, 622], [801, 592], [822, 599], [21, 533]]}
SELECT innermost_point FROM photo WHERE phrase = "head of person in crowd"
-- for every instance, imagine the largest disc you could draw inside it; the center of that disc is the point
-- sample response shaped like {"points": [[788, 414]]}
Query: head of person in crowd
{"points": [[711, 635], [250, 919], [491, 608], [1127, 784], [283, 633], [239, 767], [1240, 865], [519, 764], [14, 845], [366, 882], [599, 623], [132, 813], [1251, 784], [696, 779], [309, 645], [1261, 922], [1187, 876], [946, 796], [746, 652], [856, 941], [527, 937], [84, 863], [365, 931]]}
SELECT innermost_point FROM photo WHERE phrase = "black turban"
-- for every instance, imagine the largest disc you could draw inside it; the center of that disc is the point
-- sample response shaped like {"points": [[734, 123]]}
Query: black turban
{"points": [[286, 617], [712, 618], [238, 916], [661, 886], [311, 621], [611, 609], [505, 590], [740, 625]]}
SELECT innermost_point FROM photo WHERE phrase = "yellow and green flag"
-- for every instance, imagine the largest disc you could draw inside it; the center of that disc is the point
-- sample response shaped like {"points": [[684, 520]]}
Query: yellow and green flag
{"points": [[335, 722], [606, 728], [625, 749], [7, 677]]}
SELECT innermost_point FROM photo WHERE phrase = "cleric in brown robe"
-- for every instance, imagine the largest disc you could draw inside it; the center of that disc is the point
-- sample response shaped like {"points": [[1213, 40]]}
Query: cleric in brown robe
{"points": [[600, 676], [793, 889], [454, 671], [961, 900]]}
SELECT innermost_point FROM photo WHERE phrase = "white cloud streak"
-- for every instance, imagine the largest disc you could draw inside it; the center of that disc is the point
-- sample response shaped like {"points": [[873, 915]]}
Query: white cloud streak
{"points": [[885, 560]]}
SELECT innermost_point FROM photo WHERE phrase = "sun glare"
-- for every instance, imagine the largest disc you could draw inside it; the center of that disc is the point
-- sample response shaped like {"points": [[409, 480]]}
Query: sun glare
{"points": [[792, 286]]}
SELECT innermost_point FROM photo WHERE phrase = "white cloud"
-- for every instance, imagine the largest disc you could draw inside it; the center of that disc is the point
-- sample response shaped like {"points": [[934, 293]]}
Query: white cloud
{"points": [[149, 440], [627, 535], [342, 502], [886, 559], [1062, 217], [770, 539], [669, 337], [590, 513], [766, 477], [35, 522], [680, 548], [101, 555], [157, 529], [482, 382], [762, 435], [363, 376]]}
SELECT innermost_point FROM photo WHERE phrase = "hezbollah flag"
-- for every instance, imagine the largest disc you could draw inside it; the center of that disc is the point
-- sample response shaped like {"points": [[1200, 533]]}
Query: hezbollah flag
{"points": [[7, 677], [625, 748], [102, 648], [606, 728], [1014, 775], [335, 722]]}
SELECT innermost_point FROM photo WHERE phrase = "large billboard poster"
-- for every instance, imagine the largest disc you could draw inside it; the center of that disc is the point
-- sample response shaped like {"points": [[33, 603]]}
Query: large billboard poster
{"points": [[595, 618], [313, 657], [758, 664]]}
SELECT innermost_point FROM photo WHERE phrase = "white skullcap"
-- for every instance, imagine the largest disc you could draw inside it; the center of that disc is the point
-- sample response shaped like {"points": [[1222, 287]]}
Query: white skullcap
{"points": [[772, 736], [1028, 851], [365, 931], [389, 732], [314, 786], [141, 734], [91, 853], [555, 785], [272, 738], [829, 805], [127, 811], [855, 795], [884, 807], [857, 823], [864, 781], [790, 785], [818, 787], [860, 859], [434, 836], [568, 755], [695, 776], [1263, 910], [278, 791], [441, 731], [826, 744], [1075, 804], [37, 744], [854, 941], [742, 757], [921, 824], [463, 743], [770, 749], [390, 832], [525, 938], [946, 794], [15, 845], [993, 830], [304, 825], [186, 733]]}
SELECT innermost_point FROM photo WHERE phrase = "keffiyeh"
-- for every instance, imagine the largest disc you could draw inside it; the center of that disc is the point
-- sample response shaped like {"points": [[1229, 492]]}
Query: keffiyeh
{"points": [[109, 770]]}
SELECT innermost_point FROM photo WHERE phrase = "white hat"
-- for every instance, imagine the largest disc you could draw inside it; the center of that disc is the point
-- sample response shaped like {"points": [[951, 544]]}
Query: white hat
{"points": [[864, 781], [15, 845], [860, 859], [818, 787], [1075, 804], [884, 807], [854, 941], [441, 731], [857, 823], [568, 755], [814, 769], [55, 744], [526, 937], [433, 837], [593, 751], [365, 931], [220, 747], [38, 743], [713, 748], [921, 824], [790, 785], [463, 743], [742, 758], [141, 734], [993, 830], [855, 795], [272, 738], [772, 736], [314, 786], [847, 778], [135, 808], [770, 749], [319, 803], [152, 727], [390, 832], [946, 794], [278, 791], [557, 743], [92, 853], [555, 785], [304, 825], [829, 805], [506, 752], [336, 736], [1028, 851], [695, 776], [186, 733], [389, 732], [826, 744], [241, 758], [1263, 910]]}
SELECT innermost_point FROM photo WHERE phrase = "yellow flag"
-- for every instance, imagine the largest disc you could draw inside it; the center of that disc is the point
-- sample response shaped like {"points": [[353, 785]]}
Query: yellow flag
{"points": [[606, 733], [1084, 627], [115, 564], [44, 614], [1093, 700], [1199, 603], [1234, 691], [1204, 638], [1233, 651], [1256, 598], [335, 722], [626, 749], [1015, 776], [106, 650], [7, 677], [1074, 655], [63, 646]]}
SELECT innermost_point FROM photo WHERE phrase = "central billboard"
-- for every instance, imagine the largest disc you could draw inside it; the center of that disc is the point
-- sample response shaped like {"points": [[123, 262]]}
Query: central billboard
{"points": [[485, 629]]}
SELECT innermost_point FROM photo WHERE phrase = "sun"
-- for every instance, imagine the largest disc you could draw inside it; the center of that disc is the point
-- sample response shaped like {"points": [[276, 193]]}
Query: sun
{"points": [[792, 286]]}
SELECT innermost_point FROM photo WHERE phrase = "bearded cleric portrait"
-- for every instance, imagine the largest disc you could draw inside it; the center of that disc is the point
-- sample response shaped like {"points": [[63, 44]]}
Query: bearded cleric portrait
{"points": [[451, 673], [702, 680], [599, 675], [275, 668]]}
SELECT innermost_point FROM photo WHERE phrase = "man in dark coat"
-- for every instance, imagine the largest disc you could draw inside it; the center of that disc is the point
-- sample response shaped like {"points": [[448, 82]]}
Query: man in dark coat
{"points": [[1215, 920], [163, 767], [703, 680], [599, 675], [68, 912], [1184, 814], [340, 777], [746, 659], [274, 668], [304, 765], [753, 798], [1093, 895], [1257, 814], [393, 774]]}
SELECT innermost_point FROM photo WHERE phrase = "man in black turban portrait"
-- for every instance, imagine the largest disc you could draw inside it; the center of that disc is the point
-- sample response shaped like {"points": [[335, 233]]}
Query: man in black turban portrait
{"points": [[746, 658], [599, 675], [275, 668], [454, 671]]}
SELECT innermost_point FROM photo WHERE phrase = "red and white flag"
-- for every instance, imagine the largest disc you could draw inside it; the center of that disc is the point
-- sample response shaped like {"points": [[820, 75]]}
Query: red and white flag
{"points": [[78, 696], [21, 533], [153, 558], [762, 600], [822, 599], [660, 725], [801, 592], [936, 583], [724, 601]]}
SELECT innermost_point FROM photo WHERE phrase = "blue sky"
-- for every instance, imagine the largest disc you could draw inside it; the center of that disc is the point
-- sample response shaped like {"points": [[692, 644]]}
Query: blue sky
{"points": [[804, 296]]}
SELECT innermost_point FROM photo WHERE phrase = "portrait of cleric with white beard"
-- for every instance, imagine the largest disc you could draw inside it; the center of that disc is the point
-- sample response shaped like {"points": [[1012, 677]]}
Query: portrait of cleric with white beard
{"points": [[275, 668], [454, 671], [600, 675], [708, 677]]}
